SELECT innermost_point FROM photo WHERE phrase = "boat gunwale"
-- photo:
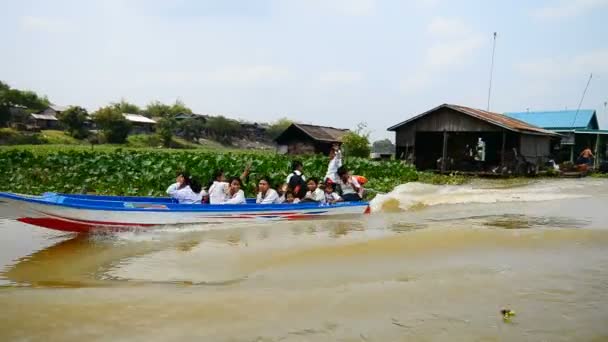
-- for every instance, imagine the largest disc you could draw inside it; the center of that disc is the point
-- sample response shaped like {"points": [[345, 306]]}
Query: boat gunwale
{"points": [[186, 208]]}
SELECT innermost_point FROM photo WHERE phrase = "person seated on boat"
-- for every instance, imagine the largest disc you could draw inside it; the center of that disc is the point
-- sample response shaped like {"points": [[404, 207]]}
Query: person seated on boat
{"points": [[335, 161], [282, 191], [218, 187], [586, 157], [315, 193], [266, 194], [331, 196], [235, 194], [296, 180], [186, 190], [351, 190], [290, 198]]}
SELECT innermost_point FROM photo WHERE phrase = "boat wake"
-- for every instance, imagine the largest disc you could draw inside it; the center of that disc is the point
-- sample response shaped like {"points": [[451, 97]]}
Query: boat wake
{"points": [[412, 196]]}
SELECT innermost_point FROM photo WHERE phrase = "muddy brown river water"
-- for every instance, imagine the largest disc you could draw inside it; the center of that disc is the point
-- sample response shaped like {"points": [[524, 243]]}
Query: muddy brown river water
{"points": [[432, 263]]}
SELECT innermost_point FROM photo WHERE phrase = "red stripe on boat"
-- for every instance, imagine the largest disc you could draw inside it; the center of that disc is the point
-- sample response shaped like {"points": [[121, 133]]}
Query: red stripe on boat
{"points": [[101, 223], [74, 226]]}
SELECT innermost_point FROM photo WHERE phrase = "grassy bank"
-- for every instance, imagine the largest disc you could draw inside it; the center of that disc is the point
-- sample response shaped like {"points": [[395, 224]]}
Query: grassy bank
{"points": [[120, 171]]}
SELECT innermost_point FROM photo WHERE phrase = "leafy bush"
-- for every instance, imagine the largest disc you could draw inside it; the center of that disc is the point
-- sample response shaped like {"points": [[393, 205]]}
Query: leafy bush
{"points": [[192, 129], [222, 128], [165, 127], [73, 119], [356, 145], [113, 124], [278, 127]]}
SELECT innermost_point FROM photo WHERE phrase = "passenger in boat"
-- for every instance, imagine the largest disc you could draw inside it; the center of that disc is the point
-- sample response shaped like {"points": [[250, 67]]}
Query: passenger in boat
{"points": [[235, 194], [290, 198], [351, 190], [335, 161], [282, 191], [314, 194], [331, 196], [296, 180], [266, 194], [219, 188], [186, 190]]}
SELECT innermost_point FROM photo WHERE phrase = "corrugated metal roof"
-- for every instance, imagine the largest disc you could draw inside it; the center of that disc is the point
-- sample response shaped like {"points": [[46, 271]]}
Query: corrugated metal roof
{"points": [[49, 117], [58, 108], [319, 133], [564, 119], [322, 133], [490, 117], [138, 118]]}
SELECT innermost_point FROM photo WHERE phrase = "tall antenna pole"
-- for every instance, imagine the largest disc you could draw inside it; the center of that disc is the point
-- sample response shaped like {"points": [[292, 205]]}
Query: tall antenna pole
{"points": [[582, 98], [491, 72]]}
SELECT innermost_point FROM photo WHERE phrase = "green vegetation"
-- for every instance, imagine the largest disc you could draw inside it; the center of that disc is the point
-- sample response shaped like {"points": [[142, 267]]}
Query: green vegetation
{"points": [[9, 136], [222, 129], [59, 137], [356, 144], [73, 119], [111, 170], [113, 124], [278, 127], [24, 100]]}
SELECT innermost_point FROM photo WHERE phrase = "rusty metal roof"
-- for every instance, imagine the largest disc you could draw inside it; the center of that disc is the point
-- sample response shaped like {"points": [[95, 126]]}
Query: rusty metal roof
{"points": [[319, 133], [489, 117]]}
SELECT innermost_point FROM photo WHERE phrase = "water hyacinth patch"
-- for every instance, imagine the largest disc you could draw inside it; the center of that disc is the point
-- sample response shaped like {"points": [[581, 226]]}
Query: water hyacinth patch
{"points": [[148, 172]]}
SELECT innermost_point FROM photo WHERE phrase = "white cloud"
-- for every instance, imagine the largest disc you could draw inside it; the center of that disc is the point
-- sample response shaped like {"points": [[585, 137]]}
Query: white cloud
{"points": [[569, 8], [446, 27], [453, 44], [46, 24], [453, 53], [249, 74], [342, 77], [345, 7], [559, 68]]}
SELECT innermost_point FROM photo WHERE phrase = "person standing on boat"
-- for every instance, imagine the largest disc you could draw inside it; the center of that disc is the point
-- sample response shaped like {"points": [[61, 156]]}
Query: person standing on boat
{"points": [[266, 194], [235, 194], [186, 190], [219, 188], [351, 190], [335, 162]]}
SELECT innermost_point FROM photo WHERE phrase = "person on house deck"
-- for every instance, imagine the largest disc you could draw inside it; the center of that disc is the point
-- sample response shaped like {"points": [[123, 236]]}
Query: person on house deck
{"points": [[586, 156], [351, 190], [266, 194], [235, 194], [186, 190]]}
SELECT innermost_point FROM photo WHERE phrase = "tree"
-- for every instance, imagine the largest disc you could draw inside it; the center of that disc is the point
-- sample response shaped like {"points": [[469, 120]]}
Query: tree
{"points": [[383, 146], [28, 100], [73, 119], [222, 128], [113, 124], [159, 109], [165, 128], [192, 129], [356, 144], [125, 107], [278, 127]]}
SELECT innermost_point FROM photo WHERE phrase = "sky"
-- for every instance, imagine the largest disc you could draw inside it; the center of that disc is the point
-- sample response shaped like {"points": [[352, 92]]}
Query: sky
{"points": [[325, 62]]}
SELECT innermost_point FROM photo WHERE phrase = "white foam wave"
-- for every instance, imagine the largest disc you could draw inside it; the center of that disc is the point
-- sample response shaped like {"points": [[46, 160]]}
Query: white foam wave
{"points": [[410, 195]]}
